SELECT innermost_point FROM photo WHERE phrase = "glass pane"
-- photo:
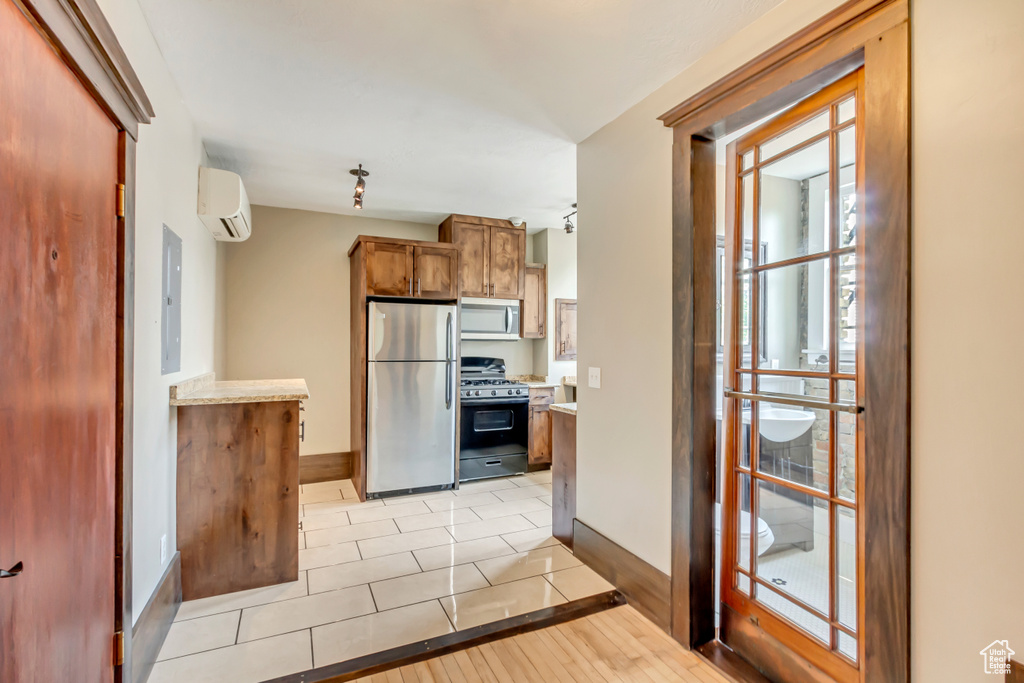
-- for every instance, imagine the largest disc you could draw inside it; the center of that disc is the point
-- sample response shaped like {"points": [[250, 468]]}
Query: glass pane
{"points": [[846, 443], [742, 522], [846, 110], [846, 563], [793, 443], [793, 612], [794, 136], [747, 160], [848, 646], [745, 293], [747, 209], [795, 319], [744, 445], [793, 544], [793, 204], [743, 583], [848, 309], [847, 187]]}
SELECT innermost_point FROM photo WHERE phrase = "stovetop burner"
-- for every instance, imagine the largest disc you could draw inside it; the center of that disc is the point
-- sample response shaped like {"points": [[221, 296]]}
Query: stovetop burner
{"points": [[485, 382]]}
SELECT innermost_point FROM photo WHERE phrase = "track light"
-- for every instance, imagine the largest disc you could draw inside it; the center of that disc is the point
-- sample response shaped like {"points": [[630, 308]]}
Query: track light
{"points": [[359, 173], [569, 227]]}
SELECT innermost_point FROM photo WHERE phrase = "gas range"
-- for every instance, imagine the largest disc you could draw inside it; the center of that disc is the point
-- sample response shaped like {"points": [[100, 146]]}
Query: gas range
{"points": [[483, 380]]}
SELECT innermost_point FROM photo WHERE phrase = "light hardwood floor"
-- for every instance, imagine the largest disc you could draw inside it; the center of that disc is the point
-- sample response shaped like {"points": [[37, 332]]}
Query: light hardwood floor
{"points": [[615, 645]]}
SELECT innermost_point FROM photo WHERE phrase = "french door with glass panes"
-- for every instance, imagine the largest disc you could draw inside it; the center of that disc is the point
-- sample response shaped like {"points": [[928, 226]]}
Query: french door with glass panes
{"points": [[791, 416]]}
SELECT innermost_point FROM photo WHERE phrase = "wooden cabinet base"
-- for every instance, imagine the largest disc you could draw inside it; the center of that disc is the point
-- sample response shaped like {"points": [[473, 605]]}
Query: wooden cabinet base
{"points": [[238, 496], [563, 475]]}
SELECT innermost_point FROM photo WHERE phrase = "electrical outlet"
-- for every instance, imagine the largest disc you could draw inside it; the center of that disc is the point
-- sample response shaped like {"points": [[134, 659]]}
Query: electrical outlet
{"points": [[594, 378], [163, 549]]}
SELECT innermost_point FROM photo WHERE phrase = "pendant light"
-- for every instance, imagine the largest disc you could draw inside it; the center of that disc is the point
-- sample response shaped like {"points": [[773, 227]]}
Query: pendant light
{"points": [[359, 173], [569, 227]]}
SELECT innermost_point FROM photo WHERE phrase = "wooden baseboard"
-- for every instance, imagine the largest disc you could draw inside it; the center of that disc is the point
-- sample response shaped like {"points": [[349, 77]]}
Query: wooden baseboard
{"points": [[152, 626], [647, 588], [375, 663], [325, 467], [1016, 672]]}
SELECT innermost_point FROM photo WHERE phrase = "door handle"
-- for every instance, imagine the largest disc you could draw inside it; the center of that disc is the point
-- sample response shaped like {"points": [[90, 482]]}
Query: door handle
{"points": [[508, 320], [12, 572]]}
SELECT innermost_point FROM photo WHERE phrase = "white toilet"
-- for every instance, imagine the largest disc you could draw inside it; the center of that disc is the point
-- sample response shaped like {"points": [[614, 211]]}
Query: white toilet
{"points": [[765, 537]]}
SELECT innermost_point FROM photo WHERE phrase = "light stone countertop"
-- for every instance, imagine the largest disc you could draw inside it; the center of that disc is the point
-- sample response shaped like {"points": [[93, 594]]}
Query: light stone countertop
{"points": [[204, 390], [569, 380], [567, 408]]}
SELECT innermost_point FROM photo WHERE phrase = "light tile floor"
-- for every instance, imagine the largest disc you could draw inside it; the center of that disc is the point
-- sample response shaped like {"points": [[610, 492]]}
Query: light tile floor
{"points": [[380, 574]]}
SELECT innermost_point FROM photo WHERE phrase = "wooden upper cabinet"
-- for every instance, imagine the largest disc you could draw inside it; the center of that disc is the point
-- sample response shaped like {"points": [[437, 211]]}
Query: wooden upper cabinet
{"points": [[437, 272], [565, 329], [492, 256], [405, 268], [533, 314], [389, 269], [508, 263], [474, 243]]}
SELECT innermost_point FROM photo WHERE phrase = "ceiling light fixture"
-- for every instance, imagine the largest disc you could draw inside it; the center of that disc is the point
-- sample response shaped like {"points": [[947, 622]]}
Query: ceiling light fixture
{"points": [[359, 173], [569, 227]]}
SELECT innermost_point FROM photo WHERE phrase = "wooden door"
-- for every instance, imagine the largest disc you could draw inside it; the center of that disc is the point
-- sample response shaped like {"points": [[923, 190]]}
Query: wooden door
{"points": [[389, 269], [508, 263], [565, 334], [474, 243], [535, 304], [58, 366], [792, 545], [437, 273]]}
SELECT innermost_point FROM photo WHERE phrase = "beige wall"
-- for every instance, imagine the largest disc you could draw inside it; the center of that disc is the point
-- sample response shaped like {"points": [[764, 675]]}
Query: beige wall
{"points": [[557, 249], [287, 302], [169, 154], [967, 511]]}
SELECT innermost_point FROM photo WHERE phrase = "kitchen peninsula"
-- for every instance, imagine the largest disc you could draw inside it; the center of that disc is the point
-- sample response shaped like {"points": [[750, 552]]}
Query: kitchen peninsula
{"points": [[238, 483]]}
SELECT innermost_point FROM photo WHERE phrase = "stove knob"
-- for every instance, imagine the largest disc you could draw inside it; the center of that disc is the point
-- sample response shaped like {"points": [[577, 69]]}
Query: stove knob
{"points": [[477, 392], [519, 391], [509, 392], [494, 393]]}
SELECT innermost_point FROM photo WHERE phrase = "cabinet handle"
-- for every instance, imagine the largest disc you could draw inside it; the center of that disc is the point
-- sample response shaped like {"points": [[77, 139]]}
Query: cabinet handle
{"points": [[419, 289], [302, 431], [12, 572], [410, 286]]}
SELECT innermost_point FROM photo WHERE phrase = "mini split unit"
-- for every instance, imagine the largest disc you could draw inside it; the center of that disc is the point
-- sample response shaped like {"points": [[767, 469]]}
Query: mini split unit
{"points": [[223, 205]]}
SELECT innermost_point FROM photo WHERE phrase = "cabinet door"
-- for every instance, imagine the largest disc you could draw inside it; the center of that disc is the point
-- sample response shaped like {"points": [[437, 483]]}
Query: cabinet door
{"points": [[508, 263], [565, 329], [473, 242], [436, 273], [388, 269], [540, 435], [534, 310]]}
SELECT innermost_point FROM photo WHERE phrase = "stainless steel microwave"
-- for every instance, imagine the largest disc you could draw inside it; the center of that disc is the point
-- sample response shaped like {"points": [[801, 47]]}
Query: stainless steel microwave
{"points": [[489, 319]]}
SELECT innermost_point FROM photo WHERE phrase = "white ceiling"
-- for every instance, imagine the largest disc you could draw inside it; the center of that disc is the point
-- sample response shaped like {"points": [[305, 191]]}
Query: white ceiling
{"points": [[467, 106]]}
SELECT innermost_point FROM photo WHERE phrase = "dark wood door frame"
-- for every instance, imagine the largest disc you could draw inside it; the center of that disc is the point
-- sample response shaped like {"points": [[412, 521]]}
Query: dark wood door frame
{"points": [[85, 42], [873, 34]]}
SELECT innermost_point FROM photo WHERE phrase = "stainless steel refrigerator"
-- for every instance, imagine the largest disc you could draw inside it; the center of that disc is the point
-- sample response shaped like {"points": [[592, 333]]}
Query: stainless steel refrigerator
{"points": [[412, 394]]}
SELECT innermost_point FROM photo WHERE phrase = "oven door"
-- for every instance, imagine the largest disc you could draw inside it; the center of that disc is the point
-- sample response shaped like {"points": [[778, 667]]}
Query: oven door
{"points": [[494, 428], [489, 319]]}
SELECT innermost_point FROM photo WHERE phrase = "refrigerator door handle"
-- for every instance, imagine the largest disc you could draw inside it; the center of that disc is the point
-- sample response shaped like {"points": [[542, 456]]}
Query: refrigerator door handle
{"points": [[450, 339]]}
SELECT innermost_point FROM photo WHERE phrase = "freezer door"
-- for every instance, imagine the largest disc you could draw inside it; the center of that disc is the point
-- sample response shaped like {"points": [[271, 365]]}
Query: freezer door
{"points": [[410, 436], [410, 331]]}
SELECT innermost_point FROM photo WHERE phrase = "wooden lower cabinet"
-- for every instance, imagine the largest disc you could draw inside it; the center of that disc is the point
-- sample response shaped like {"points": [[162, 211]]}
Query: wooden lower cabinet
{"points": [[540, 435], [238, 496], [563, 476]]}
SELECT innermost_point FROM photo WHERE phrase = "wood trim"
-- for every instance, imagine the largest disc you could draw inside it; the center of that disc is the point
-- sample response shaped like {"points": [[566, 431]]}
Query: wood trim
{"points": [[155, 621], [872, 34], [819, 33], [325, 467], [363, 239], [480, 220], [766, 654], [1016, 672], [647, 588], [125, 399], [80, 34], [404, 655], [730, 663]]}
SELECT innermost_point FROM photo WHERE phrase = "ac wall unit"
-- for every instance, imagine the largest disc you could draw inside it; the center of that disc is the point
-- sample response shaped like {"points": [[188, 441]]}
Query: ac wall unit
{"points": [[223, 205]]}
